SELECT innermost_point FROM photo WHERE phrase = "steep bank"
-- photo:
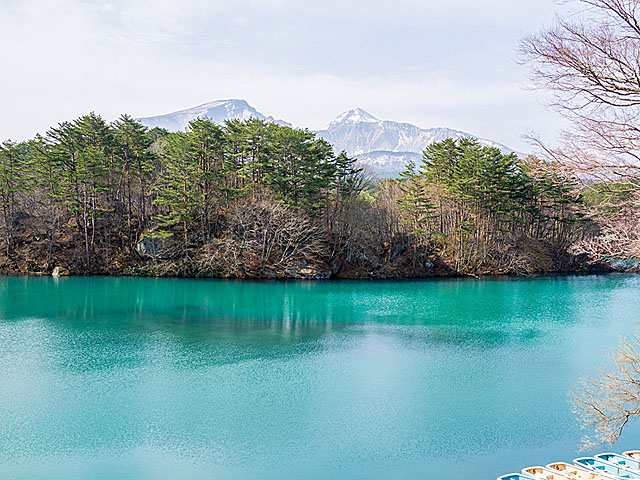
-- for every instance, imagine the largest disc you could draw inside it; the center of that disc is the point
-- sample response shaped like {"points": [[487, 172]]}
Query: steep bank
{"points": [[236, 255]]}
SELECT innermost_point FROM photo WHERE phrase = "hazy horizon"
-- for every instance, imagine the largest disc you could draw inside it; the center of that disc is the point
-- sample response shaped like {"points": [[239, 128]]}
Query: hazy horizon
{"points": [[419, 62]]}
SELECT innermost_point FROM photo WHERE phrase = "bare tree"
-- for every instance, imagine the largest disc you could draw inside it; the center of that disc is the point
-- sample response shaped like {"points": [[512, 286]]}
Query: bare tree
{"points": [[619, 236], [607, 403], [264, 235], [590, 60]]}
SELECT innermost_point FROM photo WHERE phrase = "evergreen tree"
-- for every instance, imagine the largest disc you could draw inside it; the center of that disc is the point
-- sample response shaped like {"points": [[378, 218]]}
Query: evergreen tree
{"points": [[14, 178], [81, 150], [206, 152], [176, 190], [132, 144], [415, 202]]}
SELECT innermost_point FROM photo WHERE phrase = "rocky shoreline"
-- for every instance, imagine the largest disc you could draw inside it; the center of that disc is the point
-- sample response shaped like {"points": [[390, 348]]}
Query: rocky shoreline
{"points": [[428, 267]]}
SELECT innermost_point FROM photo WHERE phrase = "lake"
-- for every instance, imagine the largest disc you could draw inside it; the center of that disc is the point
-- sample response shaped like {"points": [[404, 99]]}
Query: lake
{"points": [[133, 378]]}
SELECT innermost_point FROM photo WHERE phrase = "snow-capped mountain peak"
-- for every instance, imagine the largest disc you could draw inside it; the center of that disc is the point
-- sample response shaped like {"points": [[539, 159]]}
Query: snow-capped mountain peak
{"points": [[383, 146], [218, 112], [356, 115]]}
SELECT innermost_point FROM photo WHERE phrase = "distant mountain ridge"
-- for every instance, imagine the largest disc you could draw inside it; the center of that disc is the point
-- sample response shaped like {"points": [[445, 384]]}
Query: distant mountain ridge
{"points": [[385, 147], [382, 147], [218, 112]]}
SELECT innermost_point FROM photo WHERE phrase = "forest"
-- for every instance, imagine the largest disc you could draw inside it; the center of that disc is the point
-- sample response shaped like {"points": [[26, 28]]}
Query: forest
{"points": [[252, 199]]}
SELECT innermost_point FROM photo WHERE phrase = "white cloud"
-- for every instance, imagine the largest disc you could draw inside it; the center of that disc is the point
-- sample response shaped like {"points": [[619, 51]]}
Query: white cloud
{"points": [[425, 61]]}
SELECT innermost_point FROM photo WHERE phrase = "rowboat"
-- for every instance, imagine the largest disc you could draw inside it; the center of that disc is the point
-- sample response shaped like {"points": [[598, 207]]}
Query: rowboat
{"points": [[603, 466], [623, 461], [597, 465], [543, 473], [576, 472]]}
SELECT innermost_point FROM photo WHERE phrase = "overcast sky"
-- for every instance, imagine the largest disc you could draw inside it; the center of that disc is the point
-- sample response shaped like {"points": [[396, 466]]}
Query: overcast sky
{"points": [[429, 62]]}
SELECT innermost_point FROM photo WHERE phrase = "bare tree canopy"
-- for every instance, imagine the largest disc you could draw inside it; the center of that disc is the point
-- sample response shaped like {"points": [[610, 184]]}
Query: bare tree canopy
{"points": [[591, 62], [606, 404]]}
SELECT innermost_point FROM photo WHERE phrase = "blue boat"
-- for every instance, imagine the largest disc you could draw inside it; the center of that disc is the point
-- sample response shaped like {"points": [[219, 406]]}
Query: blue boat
{"points": [[597, 465], [623, 461], [603, 466], [515, 476]]}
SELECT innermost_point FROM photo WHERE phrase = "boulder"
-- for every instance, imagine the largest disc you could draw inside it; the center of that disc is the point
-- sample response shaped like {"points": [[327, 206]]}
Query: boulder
{"points": [[59, 272], [627, 265], [301, 270], [150, 247]]}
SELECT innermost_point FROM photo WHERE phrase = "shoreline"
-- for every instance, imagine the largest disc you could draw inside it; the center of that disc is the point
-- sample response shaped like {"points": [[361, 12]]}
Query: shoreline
{"points": [[506, 276]]}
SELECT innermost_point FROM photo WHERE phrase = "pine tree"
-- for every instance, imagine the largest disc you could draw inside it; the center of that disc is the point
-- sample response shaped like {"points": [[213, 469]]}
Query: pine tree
{"points": [[177, 190], [132, 144], [47, 176], [81, 150], [414, 202], [14, 179], [206, 150]]}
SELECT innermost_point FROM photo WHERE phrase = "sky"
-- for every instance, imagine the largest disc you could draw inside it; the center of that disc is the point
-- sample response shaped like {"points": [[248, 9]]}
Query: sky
{"points": [[433, 63]]}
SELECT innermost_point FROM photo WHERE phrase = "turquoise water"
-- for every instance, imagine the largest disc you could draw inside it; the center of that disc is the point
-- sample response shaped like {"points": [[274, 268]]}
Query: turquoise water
{"points": [[124, 378]]}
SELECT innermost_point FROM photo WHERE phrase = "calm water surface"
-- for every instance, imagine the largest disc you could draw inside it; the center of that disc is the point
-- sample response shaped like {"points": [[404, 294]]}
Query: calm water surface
{"points": [[108, 378]]}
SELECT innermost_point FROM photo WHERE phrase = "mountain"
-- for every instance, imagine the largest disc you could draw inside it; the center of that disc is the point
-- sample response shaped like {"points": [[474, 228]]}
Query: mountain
{"points": [[385, 164], [217, 112], [384, 147]]}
